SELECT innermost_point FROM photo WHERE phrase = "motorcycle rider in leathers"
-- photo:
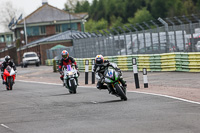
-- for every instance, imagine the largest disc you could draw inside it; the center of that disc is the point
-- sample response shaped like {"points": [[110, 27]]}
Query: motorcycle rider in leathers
{"points": [[100, 66], [5, 64], [66, 60]]}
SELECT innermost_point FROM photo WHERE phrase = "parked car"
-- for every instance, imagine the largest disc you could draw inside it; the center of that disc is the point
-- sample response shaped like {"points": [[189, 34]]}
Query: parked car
{"points": [[197, 46], [30, 58], [155, 49]]}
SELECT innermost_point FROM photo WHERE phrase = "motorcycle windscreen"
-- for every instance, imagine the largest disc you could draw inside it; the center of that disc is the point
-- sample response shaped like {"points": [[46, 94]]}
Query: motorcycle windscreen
{"points": [[109, 76], [69, 68], [12, 72], [110, 73]]}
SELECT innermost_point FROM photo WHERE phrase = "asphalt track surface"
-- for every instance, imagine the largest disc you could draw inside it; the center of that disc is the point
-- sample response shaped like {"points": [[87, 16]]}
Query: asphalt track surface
{"points": [[49, 108]]}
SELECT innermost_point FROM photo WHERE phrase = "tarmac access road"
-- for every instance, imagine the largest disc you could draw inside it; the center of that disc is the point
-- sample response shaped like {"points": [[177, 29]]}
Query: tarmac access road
{"points": [[47, 107]]}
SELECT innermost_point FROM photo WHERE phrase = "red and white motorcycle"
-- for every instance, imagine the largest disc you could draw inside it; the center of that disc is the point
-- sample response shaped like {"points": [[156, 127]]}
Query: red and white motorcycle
{"points": [[9, 77]]}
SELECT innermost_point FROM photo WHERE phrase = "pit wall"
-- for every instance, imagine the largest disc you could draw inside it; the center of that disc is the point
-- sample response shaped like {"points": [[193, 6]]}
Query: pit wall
{"points": [[185, 62]]}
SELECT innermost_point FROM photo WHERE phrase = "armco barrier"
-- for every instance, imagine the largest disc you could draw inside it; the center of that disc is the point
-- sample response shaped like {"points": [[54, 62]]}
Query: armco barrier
{"points": [[186, 62]]}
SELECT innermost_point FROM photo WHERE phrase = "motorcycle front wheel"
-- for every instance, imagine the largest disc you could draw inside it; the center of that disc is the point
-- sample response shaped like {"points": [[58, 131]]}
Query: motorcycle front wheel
{"points": [[72, 86], [9, 83], [120, 92]]}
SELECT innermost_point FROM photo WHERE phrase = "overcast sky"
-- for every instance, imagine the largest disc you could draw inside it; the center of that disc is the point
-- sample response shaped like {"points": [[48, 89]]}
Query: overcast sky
{"points": [[28, 6]]}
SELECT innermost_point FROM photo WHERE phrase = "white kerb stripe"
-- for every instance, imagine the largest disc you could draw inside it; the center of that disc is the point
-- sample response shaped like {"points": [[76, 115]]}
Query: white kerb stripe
{"points": [[135, 69], [92, 68], [86, 68], [145, 78]]}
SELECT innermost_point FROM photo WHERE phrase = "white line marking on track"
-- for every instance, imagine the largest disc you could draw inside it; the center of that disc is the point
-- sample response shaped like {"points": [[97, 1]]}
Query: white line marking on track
{"points": [[48, 83], [94, 102], [172, 97], [4, 126]]}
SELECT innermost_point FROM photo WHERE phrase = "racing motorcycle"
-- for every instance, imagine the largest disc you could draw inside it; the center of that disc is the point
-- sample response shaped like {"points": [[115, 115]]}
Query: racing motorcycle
{"points": [[111, 78], [70, 78], [9, 77]]}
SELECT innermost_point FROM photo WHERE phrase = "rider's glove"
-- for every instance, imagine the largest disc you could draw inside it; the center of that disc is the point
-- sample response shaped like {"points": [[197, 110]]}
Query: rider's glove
{"points": [[15, 71], [61, 72]]}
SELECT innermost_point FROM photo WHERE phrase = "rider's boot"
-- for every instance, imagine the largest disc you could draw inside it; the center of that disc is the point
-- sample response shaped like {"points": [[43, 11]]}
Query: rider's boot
{"points": [[62, 81], [3, 81], [77, 81]]}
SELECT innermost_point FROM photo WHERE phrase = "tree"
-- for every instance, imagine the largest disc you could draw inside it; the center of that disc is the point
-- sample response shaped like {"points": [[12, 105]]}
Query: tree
{"points": [[82, 7], [189, 7], [141, 16], [159, 8], [115, 22], [8, 12], [92, 25], [71, 4]]}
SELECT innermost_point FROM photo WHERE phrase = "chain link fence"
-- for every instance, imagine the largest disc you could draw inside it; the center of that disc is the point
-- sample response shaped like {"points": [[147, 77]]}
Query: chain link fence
{"points": [[56, 53], [164, 39]]}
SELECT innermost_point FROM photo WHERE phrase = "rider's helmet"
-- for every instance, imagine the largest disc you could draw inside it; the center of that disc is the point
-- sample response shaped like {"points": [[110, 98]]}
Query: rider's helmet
{"points": [[65, 54], [7, 58], [99, 60]]}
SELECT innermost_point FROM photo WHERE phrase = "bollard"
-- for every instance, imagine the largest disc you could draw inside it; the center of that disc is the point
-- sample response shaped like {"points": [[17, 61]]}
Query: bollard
{"points": [[86, 71], [145, 78], [135, 71], [93, 73], [54, 66]]}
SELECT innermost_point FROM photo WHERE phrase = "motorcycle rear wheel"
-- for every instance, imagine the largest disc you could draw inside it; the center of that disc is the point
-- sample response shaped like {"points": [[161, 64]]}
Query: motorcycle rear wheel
{"points": [[120, 92]]}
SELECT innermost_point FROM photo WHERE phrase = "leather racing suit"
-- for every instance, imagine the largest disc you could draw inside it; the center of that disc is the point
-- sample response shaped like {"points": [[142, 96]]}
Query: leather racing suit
{"points": [[100, 69]]}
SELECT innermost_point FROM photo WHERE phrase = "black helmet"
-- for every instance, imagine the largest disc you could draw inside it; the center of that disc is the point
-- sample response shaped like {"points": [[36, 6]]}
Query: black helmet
{"points": [[7, 58]]}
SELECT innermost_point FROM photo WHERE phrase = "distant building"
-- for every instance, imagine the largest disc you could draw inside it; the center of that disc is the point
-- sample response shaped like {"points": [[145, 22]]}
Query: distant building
{"points": [[6, 39], [47, 21]]}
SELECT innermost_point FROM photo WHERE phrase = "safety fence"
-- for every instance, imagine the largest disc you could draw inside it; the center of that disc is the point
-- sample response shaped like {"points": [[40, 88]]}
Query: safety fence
{"points": [[187, 62]]}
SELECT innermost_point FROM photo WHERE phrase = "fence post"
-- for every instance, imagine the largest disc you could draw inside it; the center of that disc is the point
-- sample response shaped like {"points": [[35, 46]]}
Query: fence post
{"points": [[54, 66], [135, 71], [93, 73], [145, 78], [86, 71]]}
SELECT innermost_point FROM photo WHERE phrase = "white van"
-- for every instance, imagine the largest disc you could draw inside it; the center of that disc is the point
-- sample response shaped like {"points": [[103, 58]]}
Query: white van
{"points": [[30, 58]]}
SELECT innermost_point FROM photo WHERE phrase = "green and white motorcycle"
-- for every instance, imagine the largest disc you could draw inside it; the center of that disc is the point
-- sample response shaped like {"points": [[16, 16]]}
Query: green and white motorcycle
{"points": [[70, 78], [113, 83]]}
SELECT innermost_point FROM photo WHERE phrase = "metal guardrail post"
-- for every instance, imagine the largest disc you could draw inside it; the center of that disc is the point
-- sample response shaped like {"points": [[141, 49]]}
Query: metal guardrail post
{"points": [[166, 30], [191, 32], [183, 34], [131, 37], [173, 27], [144, 37], [138, 42], [124, 38], [158, 31], [118, 40], [150, 35], [113, 43]]}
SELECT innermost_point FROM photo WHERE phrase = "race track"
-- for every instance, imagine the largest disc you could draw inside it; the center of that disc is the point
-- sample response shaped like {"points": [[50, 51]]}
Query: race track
{"points": [[49, 108]]}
